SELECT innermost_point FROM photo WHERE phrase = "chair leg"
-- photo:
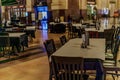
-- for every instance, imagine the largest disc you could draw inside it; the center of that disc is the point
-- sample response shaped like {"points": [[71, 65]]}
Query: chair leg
{"points": [[9, 53], [51, 73], [106, 49], [105, 76], [113, 77], [50, 76]]}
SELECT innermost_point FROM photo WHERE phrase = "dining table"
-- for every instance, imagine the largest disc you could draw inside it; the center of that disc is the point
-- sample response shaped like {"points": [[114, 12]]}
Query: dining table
{"points": [[18, 39], [93, 54], [30, 31], [57, 27], [93, 32]]}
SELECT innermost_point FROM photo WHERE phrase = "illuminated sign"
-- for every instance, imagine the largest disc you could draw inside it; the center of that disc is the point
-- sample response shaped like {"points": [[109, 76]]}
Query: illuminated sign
{"points": [[42, 8]]}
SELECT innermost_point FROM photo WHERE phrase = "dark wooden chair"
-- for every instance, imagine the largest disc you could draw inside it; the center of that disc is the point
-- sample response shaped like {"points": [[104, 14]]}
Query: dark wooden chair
{"points": [[68, 68], [108, 34], [63, 39], [112, 55], [5, 47], [50, 49], [113, 68]]}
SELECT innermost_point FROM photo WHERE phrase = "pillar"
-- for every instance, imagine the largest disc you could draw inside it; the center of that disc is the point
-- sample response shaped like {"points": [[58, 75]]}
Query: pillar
{"points": [[29, 9], [83, 7], [99, 7], [118, 4], [0, 13], [59, 7]]}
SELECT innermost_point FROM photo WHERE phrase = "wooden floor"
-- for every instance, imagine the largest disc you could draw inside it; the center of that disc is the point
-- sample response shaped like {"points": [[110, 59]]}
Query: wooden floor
{"points": [[34, 67]]}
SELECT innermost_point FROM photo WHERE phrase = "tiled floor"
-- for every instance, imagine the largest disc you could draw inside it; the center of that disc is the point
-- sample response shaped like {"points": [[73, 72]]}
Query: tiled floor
{"points": [[34, 67]]}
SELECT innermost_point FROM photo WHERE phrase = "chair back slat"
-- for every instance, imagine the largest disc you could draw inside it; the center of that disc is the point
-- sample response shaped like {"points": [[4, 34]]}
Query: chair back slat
{"points": [[65, 67], [69, 76]]}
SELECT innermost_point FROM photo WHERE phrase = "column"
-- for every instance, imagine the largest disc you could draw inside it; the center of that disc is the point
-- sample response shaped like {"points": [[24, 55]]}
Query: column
{"points": [[104, 3], [49, 4], [59, 4], [118, 4], [84, 4], [58, 8], [112, 6], [29, 5], [3, 13], [29, 9], [99, 7], [83, 7], [0, 13]]}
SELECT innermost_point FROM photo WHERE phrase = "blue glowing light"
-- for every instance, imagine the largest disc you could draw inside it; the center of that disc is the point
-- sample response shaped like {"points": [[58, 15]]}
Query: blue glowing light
{"points": [[44, 11], [42, 8], [44, 24]]}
